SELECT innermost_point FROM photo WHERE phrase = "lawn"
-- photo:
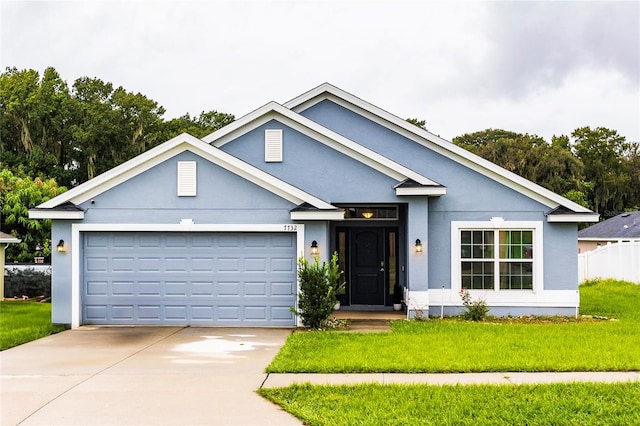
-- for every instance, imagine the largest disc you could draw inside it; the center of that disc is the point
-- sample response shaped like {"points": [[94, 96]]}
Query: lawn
{"points": [[589, 344], [22, 322], [550, 404], [452, 345]]}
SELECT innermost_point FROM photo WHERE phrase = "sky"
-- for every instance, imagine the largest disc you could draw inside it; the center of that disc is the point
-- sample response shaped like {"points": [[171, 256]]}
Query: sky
{"points": [[543, 68]]}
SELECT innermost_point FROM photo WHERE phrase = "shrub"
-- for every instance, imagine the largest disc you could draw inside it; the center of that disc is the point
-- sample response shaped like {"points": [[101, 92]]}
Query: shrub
{"points": [[27, 282], [475, 310], [319, 287]]}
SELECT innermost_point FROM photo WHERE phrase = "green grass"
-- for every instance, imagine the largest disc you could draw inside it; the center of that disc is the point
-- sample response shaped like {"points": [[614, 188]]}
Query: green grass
{"points": [[550, 404], [22, 322], [452, 345]]}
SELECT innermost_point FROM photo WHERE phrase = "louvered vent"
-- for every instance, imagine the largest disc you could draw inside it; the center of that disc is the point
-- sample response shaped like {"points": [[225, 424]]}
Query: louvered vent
{"points": [[273, 145], [186, 178]]}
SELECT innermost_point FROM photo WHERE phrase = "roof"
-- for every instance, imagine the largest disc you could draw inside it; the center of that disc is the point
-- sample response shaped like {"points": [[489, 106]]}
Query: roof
{"points": [[274, 110], [64, 206], [443, 147], [8, 239], [624, 225]]}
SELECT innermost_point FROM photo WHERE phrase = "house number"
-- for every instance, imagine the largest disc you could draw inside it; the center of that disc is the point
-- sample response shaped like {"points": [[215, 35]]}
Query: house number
{"points": [[290, 227]]}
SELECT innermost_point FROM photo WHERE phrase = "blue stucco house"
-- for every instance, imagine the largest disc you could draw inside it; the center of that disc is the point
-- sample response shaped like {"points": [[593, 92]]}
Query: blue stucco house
{"points": [[207, 231]]}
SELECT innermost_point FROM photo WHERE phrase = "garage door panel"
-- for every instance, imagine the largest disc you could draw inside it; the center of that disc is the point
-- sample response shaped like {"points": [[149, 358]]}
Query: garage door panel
{"points": [[189, 278]]}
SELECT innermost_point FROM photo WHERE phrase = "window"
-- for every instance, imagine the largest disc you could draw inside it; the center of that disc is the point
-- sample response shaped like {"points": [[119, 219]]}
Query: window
{"points": [[500, 258]]}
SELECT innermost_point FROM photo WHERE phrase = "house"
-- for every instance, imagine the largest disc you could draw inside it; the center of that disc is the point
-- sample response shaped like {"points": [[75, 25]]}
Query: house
{"points": [[620, 228], [5, 239], [207, 232]]}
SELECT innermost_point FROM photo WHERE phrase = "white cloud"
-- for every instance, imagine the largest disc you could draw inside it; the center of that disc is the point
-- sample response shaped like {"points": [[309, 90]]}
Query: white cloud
{"points": [[541, 68]]}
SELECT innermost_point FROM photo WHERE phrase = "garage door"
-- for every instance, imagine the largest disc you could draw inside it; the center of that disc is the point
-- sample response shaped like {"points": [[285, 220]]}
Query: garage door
{"points": [[245, 279]]}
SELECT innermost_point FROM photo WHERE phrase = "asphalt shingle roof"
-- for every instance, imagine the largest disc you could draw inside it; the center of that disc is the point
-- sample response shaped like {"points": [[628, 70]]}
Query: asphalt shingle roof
{"points": [[624, 225]]}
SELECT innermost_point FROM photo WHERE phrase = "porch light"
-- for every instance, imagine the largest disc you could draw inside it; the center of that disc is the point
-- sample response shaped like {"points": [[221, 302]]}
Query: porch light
{"points": [[367, 214], [418, 246], [61, 248], [314, 248]]}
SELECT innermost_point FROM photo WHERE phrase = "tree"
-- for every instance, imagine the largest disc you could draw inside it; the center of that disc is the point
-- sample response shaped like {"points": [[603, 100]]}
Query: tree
{"points": [[201, 126], [553, 166], [420, 123], [18, 194], [604, 154]]}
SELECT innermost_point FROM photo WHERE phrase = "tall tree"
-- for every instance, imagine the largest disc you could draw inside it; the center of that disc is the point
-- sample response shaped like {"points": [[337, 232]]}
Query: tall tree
{"points": [[19, 193], [604, 153]]}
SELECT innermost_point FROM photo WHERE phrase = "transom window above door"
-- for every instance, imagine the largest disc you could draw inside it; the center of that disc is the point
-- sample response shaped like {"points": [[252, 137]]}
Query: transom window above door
{"points": [[370, 212]]}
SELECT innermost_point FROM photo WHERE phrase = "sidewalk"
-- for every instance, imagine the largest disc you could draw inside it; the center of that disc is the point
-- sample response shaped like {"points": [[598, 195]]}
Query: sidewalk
{"points": [[282, 380]]}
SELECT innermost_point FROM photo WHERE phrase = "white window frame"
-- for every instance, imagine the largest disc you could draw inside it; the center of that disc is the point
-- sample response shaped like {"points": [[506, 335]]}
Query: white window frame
{"points": [[497, 224]]}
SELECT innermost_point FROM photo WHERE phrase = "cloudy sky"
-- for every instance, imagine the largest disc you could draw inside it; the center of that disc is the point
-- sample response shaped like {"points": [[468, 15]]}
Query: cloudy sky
{"points": [[534, 67]]}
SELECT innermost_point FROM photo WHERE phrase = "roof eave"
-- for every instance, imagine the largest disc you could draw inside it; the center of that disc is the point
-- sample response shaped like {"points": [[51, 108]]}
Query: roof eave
{"points": [[318, 215], [573, 218], [55, 214]]}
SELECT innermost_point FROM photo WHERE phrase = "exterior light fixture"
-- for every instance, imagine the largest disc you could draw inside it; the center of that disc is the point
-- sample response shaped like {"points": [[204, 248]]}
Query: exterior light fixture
{"points": [[367, 214], [314, 248], [418, 246], [61, 248]]}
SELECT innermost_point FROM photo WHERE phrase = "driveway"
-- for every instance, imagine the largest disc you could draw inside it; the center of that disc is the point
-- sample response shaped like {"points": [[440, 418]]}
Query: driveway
{"points": [[142, 376]]}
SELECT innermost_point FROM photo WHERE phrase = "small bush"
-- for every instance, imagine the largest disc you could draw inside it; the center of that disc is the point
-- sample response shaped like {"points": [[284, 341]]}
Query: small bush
{"points": [[475, 310], [27, 282], [319, 287]]}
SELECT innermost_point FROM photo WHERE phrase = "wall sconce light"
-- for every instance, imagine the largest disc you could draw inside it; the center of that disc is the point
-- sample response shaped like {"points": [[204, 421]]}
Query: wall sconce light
{"points": [[418, 246], [61, 248], [314, 248]]}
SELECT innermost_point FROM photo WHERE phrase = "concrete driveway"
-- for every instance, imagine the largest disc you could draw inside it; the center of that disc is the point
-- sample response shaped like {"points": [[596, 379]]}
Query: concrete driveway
{"points": [[142, 376]]}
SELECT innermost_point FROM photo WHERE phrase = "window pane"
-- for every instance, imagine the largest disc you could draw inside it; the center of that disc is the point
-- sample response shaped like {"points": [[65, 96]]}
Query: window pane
{"points": [[465, 251], [465, 237], [516, 244], [477, 275], [516, 275]]}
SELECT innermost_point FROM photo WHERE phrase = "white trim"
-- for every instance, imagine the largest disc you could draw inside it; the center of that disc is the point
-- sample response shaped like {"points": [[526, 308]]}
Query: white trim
{"points": [[425, 190], [275, 111], [497, 223], [508, 298], [184, 226], [434, 142], [171, 148], [318, 215], [572, 218], [55, 214]]}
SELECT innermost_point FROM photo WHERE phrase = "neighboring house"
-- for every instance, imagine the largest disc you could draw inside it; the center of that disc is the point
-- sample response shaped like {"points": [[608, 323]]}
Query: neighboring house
{"points": [[207, 232], [5, 239], [620, 228]]}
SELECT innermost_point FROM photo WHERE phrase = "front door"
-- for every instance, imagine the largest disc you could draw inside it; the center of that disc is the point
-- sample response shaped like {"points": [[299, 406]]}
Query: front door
{"points": [[367, 271]]}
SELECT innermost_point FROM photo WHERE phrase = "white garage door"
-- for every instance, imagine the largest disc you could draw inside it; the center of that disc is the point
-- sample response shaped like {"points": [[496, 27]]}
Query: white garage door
{"points": [[230, 279]]}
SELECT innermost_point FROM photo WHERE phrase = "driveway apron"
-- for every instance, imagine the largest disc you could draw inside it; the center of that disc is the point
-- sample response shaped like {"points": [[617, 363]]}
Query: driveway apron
{"points": [[142, 376]]}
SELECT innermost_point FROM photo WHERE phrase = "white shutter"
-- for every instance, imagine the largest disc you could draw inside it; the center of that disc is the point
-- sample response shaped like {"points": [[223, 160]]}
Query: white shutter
{"points": [[186, 178], [273, 145]]}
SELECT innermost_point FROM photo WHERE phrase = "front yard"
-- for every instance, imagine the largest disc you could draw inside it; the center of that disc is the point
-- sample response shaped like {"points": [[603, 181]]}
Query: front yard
{"points": [[589, 344], [451, 345], [22, 322]]}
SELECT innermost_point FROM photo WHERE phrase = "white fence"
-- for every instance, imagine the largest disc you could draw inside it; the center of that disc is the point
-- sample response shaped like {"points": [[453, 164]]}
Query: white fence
{"points": [[620, 261]]}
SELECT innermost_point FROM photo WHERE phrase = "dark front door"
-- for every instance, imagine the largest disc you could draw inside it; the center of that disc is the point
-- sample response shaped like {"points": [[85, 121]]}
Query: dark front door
{"points": [[367, 266]]}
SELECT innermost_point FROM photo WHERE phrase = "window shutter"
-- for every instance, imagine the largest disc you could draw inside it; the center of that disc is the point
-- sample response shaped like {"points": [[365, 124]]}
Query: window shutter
{"points": [[186, 178], [273, 145]]}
